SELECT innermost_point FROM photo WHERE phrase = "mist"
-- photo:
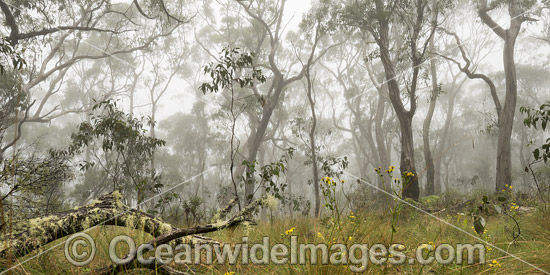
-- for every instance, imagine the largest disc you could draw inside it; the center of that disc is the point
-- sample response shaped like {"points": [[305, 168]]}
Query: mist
{"points": [[265, 116]]}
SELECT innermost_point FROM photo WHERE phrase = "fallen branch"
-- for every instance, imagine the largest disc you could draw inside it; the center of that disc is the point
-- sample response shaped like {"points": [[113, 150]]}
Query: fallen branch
{"points": [[177, 234], [32, 234]]}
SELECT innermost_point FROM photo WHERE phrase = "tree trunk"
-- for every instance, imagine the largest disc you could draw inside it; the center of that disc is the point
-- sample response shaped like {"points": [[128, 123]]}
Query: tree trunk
{"points": [[383, 154], [506, 115], [504, 154], [258, 136], [313, 145], [430, 166], [411, 189]]}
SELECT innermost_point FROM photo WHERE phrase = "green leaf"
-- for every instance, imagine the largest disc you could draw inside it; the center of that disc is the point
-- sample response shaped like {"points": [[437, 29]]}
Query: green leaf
{"points": [[479, 225]]}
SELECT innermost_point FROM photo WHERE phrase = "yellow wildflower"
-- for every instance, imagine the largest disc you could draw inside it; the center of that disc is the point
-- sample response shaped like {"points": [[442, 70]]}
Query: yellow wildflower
{"points": [[494, 263], [289, 231]]}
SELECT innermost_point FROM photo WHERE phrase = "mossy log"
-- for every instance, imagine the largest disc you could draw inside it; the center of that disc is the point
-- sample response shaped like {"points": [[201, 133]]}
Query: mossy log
{"points": [[32, 234], [242, 216]]}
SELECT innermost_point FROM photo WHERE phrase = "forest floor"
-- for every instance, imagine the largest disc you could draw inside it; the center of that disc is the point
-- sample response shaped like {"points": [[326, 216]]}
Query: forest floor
{"points": [[412, 229]]}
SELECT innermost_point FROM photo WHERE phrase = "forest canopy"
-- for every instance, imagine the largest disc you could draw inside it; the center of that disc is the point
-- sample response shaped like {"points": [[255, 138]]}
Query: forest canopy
{"points": [[205, 115]]}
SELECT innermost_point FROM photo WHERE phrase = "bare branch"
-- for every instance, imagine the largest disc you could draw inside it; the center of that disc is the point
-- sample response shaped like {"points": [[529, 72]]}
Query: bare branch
{"points": [[486, 18], [466, 69]]}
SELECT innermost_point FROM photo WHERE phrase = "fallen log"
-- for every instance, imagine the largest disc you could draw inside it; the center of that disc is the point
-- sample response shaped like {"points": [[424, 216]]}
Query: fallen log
{"points": [[33, 234], [30, 235], [242, 216]]}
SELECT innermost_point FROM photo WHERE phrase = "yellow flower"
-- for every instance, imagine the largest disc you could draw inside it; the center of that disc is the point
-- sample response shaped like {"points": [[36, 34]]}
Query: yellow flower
{"points": [[514, 206], [289, 231], [409, 174], [350, 238], [319, 235], [229, 273], [494, 263], [352, 217]]}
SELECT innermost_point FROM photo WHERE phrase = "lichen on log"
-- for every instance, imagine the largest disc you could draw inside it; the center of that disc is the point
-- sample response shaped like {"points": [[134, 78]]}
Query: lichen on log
{"points": [[32, 234]]}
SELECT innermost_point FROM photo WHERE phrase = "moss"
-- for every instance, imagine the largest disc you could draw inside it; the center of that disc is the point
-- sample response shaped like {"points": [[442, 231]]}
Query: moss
{"points": [[40, 226], [130, 221], [142, 221], [117, 197], [165, 228], [219, 223], [271, 202], [86, 223], [216, 217]]}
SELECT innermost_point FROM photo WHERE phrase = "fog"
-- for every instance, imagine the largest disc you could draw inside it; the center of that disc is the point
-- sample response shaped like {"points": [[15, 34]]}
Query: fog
{"points": [[186, 107]]}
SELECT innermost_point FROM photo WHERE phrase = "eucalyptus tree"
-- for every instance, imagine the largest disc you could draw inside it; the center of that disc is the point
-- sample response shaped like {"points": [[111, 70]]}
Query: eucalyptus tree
{"points": [[371, 122], [519, 12], [405, 29], [432, 99], [57, 35], [261, 25]]}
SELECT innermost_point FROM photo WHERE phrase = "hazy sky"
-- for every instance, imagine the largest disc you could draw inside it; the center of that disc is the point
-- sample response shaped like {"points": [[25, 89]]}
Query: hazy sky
{"points": [[178, 100]]}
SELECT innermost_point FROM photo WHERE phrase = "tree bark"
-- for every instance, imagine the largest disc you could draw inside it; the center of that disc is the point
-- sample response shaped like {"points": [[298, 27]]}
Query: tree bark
{"points": [[430, 166], [407, 163], [506, 116], [312, 143]]}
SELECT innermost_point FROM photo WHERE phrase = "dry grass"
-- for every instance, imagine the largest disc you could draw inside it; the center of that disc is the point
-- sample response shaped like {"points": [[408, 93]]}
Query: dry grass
{"points": [[413, 229]]}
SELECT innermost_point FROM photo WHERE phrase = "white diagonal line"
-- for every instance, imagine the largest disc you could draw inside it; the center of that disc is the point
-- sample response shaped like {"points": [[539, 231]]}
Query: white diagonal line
{"points": [[102, 51], [447, 51], [99, 224], [448, 223]]}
